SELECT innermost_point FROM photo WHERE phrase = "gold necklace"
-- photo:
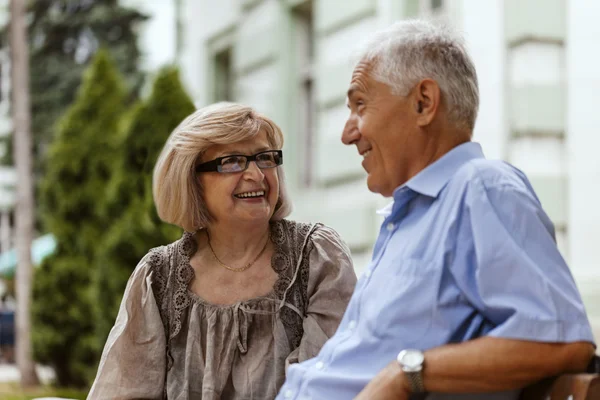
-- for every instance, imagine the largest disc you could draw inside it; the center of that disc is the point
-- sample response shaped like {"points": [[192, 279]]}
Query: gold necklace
{"points": [[245, 267]]}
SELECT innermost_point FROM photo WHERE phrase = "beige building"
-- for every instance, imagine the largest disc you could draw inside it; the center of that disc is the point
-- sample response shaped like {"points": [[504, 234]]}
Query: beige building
{"points": [[292, 60]]}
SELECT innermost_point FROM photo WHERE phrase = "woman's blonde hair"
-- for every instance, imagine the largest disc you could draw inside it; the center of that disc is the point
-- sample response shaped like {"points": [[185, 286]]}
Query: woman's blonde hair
{"points": [[177, 192]]}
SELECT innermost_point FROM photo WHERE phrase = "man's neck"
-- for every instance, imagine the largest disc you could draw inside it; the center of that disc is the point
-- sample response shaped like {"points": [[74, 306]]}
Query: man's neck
{"points": [[440, 142]]}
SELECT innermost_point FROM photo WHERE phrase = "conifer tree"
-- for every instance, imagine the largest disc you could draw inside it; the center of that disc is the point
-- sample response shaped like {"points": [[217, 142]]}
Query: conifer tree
{"points": [[64, 37], [72, 191], [136, 227]]}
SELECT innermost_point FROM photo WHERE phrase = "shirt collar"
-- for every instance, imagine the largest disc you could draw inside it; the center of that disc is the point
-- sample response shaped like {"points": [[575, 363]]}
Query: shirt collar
{"points": [[431, 180], [386, 211]]}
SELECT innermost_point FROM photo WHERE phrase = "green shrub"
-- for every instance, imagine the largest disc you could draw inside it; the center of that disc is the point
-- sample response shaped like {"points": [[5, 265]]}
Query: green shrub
{"points": [[79, 167], [136, 227]]}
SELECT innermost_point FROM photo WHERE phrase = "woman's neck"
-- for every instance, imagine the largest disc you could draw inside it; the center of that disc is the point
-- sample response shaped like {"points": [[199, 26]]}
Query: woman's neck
{"points": [[237, 242]]}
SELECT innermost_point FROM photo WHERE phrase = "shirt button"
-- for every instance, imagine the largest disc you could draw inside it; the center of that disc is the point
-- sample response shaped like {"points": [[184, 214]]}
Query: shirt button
{"points": [[368, 273], [288, 394], [352, 325], [390, 226], [320, 365]]}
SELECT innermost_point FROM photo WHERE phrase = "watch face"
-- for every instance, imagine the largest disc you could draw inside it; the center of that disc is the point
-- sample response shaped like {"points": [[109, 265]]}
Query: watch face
{"points": [[411, 358]]}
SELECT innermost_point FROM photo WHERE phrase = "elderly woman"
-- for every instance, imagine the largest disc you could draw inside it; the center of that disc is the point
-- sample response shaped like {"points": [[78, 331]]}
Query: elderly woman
{"points": [[220, 313]]}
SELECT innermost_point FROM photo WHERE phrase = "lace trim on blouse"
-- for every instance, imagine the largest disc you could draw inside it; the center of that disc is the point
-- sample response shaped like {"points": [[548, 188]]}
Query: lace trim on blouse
{"points": [[172, 273]]}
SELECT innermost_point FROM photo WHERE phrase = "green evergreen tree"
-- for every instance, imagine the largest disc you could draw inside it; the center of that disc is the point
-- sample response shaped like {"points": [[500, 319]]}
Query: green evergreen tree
{"points": [[137, 227], [65, 35], [74, 186]]}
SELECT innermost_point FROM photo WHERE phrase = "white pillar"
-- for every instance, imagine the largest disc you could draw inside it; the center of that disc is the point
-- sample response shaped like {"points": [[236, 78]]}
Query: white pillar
{"points": [[483, 27], [583, 143]]}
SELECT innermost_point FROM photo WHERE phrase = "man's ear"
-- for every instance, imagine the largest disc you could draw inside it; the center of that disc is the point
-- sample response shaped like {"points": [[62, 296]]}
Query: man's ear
{"points": [[427, 98]]}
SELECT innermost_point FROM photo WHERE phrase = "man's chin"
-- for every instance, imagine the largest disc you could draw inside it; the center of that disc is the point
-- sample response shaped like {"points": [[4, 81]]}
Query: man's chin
{"points": [[372, 185], [377, 187]]}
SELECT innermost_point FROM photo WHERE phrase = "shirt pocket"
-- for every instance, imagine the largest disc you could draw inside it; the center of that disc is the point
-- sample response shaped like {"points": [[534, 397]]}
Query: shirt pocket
{"points": [[401, 299]]}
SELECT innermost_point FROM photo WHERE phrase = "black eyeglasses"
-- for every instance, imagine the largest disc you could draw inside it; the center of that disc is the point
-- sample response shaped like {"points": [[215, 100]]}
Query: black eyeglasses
{"points": [[239, 163]]}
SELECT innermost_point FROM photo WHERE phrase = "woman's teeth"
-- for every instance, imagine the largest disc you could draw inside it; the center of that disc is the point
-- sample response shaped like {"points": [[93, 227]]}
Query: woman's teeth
{"points": [[250, 194]]}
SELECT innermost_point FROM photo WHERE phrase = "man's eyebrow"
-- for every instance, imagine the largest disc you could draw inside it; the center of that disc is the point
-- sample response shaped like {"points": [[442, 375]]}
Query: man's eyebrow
{"points": [[351, 90]]}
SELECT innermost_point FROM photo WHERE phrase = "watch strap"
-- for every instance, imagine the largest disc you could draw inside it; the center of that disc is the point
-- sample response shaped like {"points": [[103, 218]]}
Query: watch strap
{"points": [[415, 380]]}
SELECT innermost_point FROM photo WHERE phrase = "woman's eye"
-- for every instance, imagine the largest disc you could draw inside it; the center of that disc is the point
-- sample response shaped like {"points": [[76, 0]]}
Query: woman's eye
{"points": [[231, 160]]}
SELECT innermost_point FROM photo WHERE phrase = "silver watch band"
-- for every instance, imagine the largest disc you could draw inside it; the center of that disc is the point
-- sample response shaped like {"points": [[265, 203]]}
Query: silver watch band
{"points": [[415, 379]]}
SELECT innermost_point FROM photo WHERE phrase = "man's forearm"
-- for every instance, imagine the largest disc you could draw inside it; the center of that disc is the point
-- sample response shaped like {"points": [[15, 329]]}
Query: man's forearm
{"points": [[482, 365], [494, 364]]}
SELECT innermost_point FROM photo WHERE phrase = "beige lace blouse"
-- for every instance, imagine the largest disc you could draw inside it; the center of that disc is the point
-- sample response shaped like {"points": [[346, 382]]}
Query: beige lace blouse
{"points": [[169, 343]]}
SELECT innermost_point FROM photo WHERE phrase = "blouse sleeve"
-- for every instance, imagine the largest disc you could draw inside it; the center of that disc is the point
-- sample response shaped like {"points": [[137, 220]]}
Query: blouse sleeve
{"points": [[330, 285], [132, 365]]}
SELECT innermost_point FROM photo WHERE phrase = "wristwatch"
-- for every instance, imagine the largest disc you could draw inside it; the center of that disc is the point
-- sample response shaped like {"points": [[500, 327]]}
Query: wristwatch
{"points": [[411, 361]]}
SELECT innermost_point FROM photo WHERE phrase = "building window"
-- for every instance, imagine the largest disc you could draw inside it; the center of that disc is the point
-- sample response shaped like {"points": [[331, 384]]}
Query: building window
{"points": [[305, 56], [223, 79], [431, 8], [436, 4]]}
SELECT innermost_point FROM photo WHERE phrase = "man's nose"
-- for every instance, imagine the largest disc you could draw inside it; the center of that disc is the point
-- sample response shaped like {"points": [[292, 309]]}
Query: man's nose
{"points": [[350, 134]]}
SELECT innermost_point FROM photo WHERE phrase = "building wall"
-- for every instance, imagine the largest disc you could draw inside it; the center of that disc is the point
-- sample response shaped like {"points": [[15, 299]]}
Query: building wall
{"points": [[270, 67], [292, 59], [582, 119]]}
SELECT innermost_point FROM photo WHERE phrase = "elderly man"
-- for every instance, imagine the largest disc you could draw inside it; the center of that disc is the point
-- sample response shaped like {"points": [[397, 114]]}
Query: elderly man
{"points": [[466, 291]]}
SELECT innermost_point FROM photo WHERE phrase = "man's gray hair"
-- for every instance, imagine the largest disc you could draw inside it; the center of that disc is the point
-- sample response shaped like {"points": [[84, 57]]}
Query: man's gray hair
{"points": [[410, 51]]}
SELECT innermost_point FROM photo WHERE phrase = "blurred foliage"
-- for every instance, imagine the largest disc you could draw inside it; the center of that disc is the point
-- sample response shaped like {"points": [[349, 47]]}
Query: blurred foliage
{"points": [[136, 227], [63, 328], [14, 391], [6, 145], [95, 196], [64, 36], [81, 159]]}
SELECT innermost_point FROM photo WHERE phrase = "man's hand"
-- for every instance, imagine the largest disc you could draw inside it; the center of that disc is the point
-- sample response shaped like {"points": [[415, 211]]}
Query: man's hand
{"points": [[389, 384], [482, 365]]}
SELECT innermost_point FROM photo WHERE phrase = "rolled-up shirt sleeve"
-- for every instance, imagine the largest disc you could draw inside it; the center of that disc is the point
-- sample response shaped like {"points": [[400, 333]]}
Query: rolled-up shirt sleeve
{"points": [[509, 267], [133, 363]]}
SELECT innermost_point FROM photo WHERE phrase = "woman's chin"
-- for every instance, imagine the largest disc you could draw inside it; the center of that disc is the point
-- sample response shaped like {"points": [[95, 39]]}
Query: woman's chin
{"points": [[258, 216]]}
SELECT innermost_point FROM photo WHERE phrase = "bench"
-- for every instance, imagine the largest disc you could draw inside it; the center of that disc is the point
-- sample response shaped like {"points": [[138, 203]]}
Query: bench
{"points": [[585, 386]]}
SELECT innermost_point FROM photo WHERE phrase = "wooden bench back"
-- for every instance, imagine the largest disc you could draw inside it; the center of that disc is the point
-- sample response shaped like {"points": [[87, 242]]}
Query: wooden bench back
{"points": [[565, 387]]}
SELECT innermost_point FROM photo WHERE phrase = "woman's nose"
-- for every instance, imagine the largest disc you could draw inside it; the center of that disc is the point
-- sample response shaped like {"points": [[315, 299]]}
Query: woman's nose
{"points": [[253, 171]]}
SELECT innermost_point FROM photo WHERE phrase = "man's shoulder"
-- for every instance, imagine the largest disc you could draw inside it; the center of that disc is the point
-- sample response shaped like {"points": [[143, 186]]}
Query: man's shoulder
{"points": [[489, 175], [493, 183]]}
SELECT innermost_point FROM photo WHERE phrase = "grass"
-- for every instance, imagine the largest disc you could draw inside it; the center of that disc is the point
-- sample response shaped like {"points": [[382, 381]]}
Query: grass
{"points": [[13, 391]]}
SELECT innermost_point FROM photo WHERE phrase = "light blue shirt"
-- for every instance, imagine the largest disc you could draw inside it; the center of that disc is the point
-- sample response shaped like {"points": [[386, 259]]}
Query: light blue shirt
{"points": [[465, 251]]}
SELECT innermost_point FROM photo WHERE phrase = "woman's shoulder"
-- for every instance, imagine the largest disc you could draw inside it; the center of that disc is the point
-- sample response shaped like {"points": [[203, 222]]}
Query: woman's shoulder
{"points": [[320, 233], [158, 258], [325, 254]]}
